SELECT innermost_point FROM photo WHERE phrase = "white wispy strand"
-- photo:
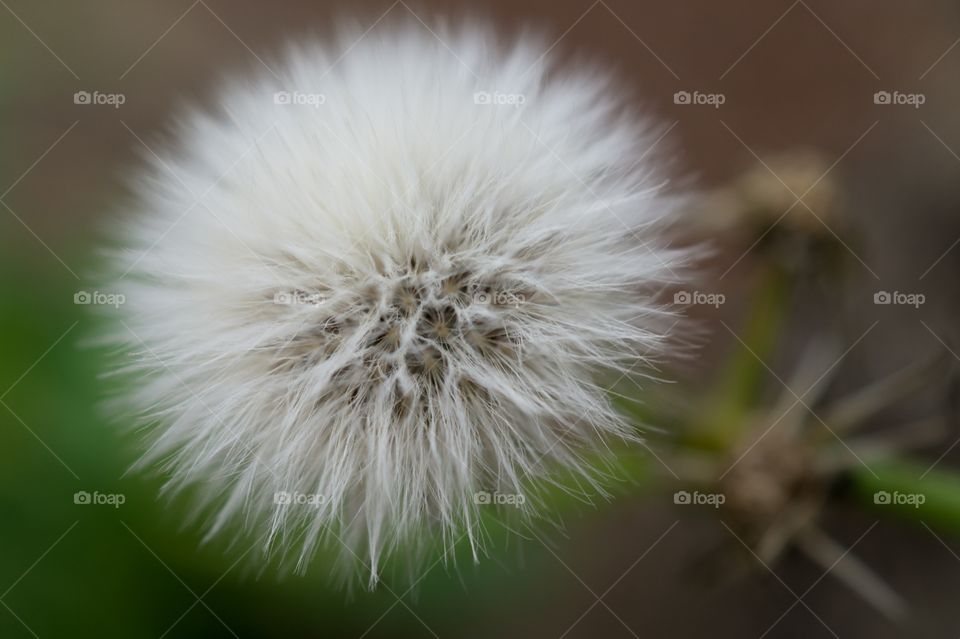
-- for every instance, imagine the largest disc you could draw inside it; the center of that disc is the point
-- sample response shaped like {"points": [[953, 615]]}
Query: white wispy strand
{"points": [[394, 294]]}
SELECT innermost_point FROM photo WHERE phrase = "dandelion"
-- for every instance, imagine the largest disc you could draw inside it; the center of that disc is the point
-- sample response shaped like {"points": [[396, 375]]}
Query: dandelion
{"points": [[391, 278]]}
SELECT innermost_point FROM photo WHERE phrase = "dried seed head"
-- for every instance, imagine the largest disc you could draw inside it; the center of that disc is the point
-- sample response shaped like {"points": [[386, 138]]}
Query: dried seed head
{"points": [[394, 298]]}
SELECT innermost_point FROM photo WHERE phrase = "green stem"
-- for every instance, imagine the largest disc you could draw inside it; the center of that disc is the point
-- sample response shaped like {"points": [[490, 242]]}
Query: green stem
{"points": [[732, 398], [909, 490]]}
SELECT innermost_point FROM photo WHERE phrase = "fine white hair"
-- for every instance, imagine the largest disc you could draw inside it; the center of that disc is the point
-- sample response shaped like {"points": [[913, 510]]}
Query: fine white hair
{"points": [[396, 278]]}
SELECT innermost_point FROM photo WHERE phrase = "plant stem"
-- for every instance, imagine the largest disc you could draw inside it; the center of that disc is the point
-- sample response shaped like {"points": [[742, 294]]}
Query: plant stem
{"points": [[909, 489]]}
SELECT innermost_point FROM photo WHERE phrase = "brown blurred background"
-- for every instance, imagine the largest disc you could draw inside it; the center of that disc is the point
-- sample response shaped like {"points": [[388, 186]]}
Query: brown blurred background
{"points": [[794, 74]]}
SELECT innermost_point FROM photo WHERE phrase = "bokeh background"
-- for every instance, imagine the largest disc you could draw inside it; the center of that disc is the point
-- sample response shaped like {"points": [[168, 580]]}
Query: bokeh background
{"points": [[793, 75]]}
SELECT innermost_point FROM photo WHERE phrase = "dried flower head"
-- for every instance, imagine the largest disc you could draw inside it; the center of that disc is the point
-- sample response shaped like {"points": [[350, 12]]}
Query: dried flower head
{"points": [[365, 294]]}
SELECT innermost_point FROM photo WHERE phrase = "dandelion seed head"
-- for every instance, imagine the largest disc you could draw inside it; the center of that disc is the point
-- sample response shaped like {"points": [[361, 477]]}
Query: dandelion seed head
{"points": [[393, 277]]}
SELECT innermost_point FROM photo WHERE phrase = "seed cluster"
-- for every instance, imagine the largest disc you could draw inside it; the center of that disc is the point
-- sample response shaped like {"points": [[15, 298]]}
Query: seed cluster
{"points": [[420, 296], [408, 328]]}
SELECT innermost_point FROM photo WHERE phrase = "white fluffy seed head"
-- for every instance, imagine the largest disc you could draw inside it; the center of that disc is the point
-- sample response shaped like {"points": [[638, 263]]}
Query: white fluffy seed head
{"points": [[391, 280]]}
